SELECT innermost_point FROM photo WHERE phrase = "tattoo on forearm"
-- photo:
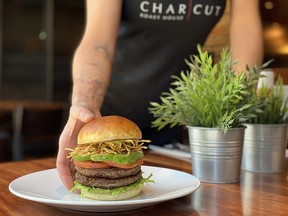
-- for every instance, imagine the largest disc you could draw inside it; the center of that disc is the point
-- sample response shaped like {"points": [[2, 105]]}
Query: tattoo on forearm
{"points": [[100, 49]]}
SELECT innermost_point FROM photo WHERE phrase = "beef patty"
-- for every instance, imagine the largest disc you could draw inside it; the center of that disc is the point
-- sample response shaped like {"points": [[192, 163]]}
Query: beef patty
{"points": [[107, 183], [112, 172]]}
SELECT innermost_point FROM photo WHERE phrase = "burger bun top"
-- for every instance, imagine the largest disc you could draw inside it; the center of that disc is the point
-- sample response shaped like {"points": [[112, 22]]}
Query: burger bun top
{"points": [[108, 128]]}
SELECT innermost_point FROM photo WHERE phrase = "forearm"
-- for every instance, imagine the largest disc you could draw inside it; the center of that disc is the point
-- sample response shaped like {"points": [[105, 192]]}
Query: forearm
{"points": [[91, 75], [93, 58], [246, 35]]}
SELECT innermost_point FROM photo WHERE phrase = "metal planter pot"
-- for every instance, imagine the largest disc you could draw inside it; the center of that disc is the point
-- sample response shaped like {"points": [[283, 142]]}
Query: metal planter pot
{"points": [[264, 148], [216, 157]]}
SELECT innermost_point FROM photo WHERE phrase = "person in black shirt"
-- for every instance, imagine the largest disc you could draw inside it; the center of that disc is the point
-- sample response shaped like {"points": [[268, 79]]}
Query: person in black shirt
{"points": [[130, 49]]}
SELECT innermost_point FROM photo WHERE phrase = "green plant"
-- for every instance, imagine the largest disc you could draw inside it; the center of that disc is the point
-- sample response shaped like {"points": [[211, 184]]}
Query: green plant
{"points": [[209, 95], [274, 105]]}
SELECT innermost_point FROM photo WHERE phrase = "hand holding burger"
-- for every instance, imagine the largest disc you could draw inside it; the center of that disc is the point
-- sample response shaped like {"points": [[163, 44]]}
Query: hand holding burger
{"points": [[108, 159]]}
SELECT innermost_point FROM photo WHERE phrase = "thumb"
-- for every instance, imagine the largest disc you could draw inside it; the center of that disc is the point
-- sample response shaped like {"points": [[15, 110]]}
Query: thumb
{"points": [[81, 113]]}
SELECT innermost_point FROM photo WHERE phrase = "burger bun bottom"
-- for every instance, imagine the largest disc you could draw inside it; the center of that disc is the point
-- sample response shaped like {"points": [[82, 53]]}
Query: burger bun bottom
{"points": [[111, 197]]}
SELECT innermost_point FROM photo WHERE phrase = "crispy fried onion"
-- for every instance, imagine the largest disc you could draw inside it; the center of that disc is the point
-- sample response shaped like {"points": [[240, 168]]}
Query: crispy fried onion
{"points": [[124, 147]]}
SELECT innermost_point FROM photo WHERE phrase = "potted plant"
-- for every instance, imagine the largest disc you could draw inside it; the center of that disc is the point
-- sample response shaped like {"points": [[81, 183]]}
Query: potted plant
{"points": [[213, 101], [265, 137]]}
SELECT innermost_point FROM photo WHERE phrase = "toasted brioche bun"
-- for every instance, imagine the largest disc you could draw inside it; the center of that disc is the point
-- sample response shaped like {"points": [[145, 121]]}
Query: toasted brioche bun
{"points": [[108, 128]]}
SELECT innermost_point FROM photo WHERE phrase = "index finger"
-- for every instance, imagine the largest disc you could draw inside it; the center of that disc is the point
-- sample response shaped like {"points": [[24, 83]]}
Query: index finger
{"points": [[67, 140]]}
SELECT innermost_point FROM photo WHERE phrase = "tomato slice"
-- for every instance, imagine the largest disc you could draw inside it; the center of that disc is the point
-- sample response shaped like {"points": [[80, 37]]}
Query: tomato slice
{"points": [[91, 164], [106, 164]]}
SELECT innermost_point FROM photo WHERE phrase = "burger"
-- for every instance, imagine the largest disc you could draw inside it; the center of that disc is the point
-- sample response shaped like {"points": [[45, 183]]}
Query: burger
{"points": [[108, 159]]}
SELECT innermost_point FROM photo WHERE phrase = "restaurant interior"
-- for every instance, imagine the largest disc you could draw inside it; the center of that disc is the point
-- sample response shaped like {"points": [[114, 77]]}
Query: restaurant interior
{"points": [[37, 42]]}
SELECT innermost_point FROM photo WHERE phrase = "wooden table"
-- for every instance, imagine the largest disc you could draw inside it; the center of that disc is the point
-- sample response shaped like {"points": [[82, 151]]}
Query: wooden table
{"points": [[256, 194], [13, 104]]}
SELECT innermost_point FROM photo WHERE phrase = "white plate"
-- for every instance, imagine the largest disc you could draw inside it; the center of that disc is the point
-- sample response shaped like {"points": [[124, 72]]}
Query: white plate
{"points": [[46, 187]]}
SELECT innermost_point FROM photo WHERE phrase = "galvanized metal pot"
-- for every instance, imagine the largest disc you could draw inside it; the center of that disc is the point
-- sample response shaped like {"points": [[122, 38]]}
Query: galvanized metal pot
{"points": [[216, 157], [264, 148]]}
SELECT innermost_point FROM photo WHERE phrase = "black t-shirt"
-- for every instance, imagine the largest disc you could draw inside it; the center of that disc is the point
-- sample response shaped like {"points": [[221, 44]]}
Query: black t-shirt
{"points": [[154, 38]]}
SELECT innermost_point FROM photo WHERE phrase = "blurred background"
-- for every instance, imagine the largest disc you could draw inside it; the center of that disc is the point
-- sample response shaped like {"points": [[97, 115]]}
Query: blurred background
{"points": [[275, 34], [37, 42], [37, 39]]}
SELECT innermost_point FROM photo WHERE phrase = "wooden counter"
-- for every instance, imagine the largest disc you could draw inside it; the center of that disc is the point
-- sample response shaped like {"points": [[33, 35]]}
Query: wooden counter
{"points": [[256, 194]]}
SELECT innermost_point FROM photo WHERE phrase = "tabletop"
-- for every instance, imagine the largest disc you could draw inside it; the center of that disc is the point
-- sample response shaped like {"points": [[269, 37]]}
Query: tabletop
{"points": [[255, 194]]}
